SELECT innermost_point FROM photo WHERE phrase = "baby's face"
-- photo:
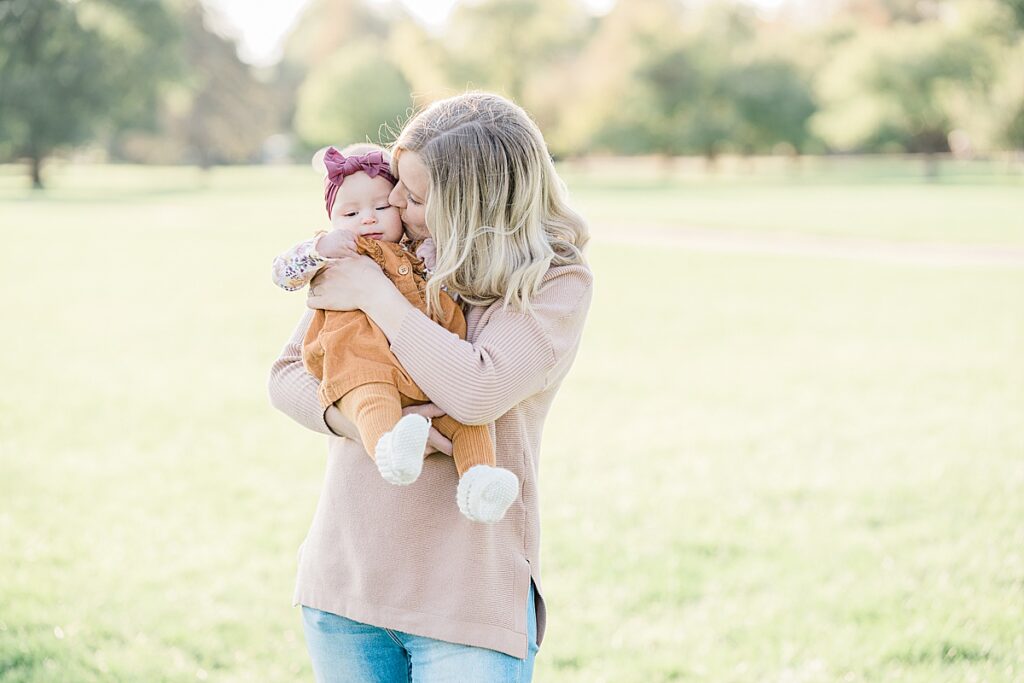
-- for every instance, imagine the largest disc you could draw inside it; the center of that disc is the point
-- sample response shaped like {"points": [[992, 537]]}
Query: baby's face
{"points": [[361, 206]]}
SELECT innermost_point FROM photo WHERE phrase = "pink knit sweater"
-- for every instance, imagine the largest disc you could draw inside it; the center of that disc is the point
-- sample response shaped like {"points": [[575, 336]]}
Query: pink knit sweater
{"points": [[403, 557]]}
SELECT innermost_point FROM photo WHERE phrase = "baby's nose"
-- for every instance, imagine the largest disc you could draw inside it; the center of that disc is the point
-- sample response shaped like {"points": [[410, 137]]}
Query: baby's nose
{"points": [[369, 220]]}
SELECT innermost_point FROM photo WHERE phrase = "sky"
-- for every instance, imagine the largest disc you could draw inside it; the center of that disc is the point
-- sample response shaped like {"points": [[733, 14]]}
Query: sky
{"points": [[260, 33]]}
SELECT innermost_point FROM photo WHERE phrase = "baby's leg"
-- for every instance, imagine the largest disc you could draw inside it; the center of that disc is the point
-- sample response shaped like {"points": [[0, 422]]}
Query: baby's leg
{"points": [[470, 445], [394, 442], [374, 408], [485, 491]]}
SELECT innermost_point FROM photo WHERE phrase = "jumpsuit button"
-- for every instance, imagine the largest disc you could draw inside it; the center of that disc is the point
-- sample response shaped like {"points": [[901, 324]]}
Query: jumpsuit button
{"points": [[403, 270]]}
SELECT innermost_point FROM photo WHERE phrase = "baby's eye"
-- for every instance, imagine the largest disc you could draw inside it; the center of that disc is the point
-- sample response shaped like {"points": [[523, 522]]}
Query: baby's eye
{"points": [[350, 214], [385, 207]]}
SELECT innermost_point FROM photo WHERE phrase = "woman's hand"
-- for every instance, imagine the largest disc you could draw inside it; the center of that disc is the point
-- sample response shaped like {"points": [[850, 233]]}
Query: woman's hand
{"points": [[359, 283], [346, 285], [436, 443]]}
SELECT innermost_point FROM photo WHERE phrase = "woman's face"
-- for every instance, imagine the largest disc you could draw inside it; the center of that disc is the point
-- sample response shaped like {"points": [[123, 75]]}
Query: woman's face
{"points": [[410, 194]]}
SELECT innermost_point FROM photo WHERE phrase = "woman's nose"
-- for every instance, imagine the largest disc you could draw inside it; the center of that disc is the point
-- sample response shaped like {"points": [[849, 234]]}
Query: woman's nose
{"points": [[395, 198]]}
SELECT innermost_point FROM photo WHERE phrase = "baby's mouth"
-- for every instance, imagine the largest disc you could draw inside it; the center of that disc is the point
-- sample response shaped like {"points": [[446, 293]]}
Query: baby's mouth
{"points": [[374, 235]]}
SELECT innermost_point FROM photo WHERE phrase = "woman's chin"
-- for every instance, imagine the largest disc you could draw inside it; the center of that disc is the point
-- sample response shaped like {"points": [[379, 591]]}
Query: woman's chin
{"points": [[415, 233]]}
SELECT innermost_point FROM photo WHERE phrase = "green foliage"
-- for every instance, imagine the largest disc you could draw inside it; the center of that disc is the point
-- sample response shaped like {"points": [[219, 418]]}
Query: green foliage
{"points": [[533, 63], [1004, 116], [698, 86], [502, 44], [607, 104], [217, 112], [69, 71], [1017, 6], [650, 77], [352, 97], [328, 26], [894, 87], [773, 104]]}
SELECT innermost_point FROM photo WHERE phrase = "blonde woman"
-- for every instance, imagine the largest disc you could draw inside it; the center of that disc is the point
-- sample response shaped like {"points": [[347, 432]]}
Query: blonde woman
{"points": [[395, 584]]}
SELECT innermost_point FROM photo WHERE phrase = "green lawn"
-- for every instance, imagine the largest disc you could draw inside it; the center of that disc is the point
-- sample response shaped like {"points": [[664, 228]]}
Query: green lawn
{"points": [[762, 468]]}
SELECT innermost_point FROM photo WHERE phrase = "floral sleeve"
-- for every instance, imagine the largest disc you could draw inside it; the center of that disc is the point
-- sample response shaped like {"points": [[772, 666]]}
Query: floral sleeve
{"points": [[296, 267]]}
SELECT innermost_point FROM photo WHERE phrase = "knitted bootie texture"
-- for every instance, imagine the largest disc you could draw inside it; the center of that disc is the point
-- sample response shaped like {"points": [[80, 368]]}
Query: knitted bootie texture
{"points": [[486, 492], [399, 453]]}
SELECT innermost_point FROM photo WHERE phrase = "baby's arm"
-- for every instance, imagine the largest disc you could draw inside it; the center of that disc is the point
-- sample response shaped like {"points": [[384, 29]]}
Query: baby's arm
{"points": [[296, 267]]}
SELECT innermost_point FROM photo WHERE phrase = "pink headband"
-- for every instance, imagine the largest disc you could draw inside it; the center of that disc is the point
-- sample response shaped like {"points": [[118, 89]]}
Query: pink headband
{"points": [[339, 166]]}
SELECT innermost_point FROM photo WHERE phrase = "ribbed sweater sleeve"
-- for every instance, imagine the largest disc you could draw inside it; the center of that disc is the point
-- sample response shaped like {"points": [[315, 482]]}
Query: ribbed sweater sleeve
{"points": [[514, 356], [292, 389]]}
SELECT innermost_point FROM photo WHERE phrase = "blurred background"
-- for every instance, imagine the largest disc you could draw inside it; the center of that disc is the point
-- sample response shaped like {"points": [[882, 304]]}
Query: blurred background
{"points": [[179, 82], [802, 460]]}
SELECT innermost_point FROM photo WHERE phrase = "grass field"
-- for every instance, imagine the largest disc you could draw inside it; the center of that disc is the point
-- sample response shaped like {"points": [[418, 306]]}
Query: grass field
{"points": [[762, 468]]}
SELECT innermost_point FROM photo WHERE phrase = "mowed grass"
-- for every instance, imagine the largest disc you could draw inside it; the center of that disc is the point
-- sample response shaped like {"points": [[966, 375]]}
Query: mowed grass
{"points": [[762, 468], [861, 199]]}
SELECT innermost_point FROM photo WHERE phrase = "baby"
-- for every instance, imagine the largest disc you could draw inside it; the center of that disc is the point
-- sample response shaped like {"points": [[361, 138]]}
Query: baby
{"points": [[351, 356]]}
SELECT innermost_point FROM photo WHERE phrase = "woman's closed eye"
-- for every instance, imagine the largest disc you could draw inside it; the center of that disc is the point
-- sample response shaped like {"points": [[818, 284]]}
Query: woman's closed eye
{"points": [[412, 200]]}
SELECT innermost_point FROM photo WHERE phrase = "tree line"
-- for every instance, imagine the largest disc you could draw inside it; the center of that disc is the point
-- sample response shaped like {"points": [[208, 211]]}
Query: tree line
{"points": [[154, 81]]}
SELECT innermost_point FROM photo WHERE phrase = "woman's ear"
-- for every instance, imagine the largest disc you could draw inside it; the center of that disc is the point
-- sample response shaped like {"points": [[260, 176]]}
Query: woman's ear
{"points": [[317, 162]]}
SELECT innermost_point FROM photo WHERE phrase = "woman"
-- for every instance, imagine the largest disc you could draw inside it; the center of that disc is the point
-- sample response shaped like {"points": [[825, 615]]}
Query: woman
{"points": [[395, 584]]}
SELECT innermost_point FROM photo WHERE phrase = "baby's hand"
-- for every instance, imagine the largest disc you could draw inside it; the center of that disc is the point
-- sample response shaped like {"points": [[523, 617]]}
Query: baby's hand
{"points": [[339, 243], [428, 252]]}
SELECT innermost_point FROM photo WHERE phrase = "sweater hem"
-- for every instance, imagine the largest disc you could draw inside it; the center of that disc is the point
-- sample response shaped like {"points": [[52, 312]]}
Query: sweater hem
{"points": [[434, 626]]}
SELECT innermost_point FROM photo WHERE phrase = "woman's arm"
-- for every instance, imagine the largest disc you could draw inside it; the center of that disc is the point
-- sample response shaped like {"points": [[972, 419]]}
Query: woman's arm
{"points": [[514, 356], [293, 390]]}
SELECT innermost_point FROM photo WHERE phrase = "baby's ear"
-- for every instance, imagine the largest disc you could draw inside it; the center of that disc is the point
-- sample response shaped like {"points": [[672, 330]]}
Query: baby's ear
{"points": [[317, 162]]}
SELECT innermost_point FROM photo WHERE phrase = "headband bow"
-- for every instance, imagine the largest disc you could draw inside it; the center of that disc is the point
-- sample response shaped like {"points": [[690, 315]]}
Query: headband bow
{"points": [[338, 166]]}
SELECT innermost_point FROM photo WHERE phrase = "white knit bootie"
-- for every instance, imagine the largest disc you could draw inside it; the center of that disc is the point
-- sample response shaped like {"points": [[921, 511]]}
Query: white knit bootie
{"points": [[486, 492], [399, 453]]}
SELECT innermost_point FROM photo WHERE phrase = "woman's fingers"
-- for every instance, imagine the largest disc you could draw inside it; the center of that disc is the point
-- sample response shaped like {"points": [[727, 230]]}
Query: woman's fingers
{"points": [[428, 410], [437, 442], [344, 284]]}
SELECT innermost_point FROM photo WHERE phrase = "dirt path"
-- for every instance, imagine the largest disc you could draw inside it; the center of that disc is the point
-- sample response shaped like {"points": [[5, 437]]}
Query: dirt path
{"points": [[912, 253]]}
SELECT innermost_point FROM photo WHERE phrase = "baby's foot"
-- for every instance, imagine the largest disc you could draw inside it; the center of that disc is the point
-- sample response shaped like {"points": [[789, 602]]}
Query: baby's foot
{"points": [[486, 492], [399, 453]]}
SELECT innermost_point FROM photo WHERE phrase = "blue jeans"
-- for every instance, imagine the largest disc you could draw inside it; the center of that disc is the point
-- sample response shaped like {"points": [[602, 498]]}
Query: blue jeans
{"points": [[346, 651]]}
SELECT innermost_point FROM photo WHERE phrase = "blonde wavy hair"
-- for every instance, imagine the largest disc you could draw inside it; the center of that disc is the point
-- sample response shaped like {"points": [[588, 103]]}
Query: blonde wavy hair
{"points": [[496, 208]]}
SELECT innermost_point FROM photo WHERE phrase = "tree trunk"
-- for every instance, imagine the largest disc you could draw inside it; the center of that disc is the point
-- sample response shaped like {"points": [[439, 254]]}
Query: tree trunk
{"points": [[710, 161], [795, 164], [36, 170], [666, 166]]}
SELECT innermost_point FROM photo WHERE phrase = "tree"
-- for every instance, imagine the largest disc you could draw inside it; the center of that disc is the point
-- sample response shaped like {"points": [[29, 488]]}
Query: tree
{"points": [[773, 104], [350, 97], [229, 112], [500, 44], [607, 101], [69, 71], [696, 82], [328, 26], [1017, 6], [217, 112], [894, 88]]}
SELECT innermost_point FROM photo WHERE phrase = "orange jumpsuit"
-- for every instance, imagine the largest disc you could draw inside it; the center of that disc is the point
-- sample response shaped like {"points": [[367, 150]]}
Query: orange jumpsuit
{"points": [[352, 358]]}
